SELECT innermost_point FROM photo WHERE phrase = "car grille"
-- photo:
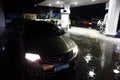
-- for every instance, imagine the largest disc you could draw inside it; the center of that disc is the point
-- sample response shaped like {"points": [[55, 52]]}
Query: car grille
{"points": [[65, 57]]}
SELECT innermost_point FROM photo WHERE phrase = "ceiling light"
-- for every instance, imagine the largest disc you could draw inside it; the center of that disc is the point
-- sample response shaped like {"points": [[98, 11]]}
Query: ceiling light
{"points": [[50, 4], [76, 3], [58, 2], [93, 0]]}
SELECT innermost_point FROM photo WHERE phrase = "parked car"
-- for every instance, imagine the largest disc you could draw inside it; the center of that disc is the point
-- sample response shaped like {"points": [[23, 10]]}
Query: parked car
{"points": [[93, 23], [42, 49]]}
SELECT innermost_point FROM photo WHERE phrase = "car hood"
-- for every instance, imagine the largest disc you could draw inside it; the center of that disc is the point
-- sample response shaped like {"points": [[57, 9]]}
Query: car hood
{"points": [[49, 46]]}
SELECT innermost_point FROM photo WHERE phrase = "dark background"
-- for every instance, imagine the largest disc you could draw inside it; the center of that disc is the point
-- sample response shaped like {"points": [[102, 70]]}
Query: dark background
{"points": [[22, 6], [91, 11], [19, 6]]}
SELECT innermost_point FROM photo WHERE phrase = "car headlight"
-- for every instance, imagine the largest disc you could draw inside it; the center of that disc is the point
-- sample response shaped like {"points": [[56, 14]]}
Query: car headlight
{"points": [[75, 49], [32, 57]]}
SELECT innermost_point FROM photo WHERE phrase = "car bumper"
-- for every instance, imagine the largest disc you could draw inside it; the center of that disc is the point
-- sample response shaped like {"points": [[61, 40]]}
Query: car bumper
{"points": [[52, 72], [42, 72]]}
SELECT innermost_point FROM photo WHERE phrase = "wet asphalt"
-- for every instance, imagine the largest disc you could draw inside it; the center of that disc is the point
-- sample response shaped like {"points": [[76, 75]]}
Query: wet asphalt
{"points": [[98, 59]]}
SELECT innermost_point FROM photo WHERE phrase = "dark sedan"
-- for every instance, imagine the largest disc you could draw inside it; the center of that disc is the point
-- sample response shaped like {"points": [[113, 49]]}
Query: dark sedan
{"points": [[43, 48]]}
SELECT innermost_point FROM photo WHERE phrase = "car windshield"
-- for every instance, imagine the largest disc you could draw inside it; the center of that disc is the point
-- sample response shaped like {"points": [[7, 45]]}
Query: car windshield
{"points": [[41, 28]]}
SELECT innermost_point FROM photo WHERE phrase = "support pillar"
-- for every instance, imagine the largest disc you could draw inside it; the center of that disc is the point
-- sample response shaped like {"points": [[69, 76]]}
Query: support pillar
{"points": [[65, 16], [112, 17]]}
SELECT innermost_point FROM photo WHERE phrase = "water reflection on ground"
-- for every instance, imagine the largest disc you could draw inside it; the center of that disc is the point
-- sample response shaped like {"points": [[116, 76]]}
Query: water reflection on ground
{"points": [[98, 60]]}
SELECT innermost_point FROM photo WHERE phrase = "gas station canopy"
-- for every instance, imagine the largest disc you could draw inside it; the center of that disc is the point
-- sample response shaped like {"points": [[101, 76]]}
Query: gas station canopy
{"points": [[73, 3]]}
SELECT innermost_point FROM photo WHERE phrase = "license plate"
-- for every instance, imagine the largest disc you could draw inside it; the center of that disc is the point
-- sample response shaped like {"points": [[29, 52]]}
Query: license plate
{"points": [[61, 67]]}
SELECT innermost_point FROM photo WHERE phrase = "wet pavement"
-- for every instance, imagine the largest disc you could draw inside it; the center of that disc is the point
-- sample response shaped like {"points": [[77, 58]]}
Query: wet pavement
{"points": [[98, 59]]}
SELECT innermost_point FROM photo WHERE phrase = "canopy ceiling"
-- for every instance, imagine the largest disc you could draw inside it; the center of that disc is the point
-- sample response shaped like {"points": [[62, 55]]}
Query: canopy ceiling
{"points": [[73, 3]]}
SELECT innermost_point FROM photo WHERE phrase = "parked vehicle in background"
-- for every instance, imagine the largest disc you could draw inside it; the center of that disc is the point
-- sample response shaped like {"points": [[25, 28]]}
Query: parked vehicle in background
{"points": [[93, 23]]}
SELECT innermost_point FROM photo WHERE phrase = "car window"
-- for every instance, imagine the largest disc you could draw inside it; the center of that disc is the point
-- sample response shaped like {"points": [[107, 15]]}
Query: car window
{"points": [[40, 28]]}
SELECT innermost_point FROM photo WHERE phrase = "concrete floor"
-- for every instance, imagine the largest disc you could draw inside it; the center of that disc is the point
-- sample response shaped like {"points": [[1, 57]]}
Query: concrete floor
{"points": [[92, 33]]}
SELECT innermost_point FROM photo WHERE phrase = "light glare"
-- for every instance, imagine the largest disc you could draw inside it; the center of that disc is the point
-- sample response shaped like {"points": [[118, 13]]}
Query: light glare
{"points": [[50, 4], [32, 57], [61, 6], [91, 74], [76, 3], [58, 2], [88, 58], [93, 0], [75, 50], [116, 71]]}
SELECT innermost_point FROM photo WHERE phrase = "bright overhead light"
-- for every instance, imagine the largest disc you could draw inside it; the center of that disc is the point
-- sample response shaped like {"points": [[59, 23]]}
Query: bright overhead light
{"points": [[58, 2], [50, 4], [76, 3], [93, 0]]}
